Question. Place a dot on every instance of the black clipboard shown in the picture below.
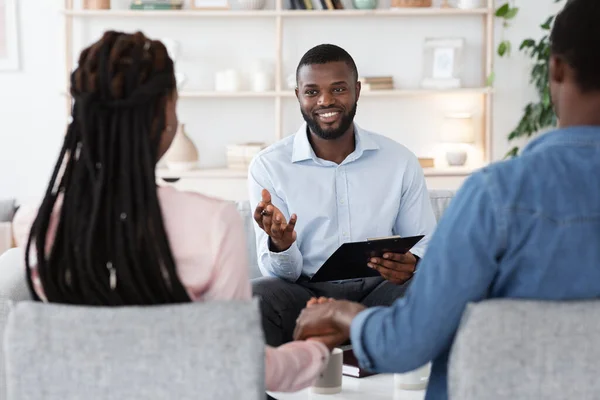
(350, 260)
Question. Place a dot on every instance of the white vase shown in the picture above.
(182, 154)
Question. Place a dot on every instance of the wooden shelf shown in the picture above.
(211, 94)
(199, 173)
(224, 173)
(366, 93)
(400, 12)
(170, 13)
(392, 12)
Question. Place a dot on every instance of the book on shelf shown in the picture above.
(156, 5)
(427, 162)
(377, 82)
(314, 4)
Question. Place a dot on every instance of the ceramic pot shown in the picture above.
(182, 155)
(365, 4)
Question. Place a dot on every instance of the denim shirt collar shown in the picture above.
(584, 135)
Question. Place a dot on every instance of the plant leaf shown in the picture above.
(503, 48)
(546, 25)
(512, 153)
(510, 14)
(527, 43)
(501, 12)
(490, 79)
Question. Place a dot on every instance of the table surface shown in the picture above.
(376, 387)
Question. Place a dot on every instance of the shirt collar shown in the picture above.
(582, 135)
(302, 149)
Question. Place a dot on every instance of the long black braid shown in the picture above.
(110, 218)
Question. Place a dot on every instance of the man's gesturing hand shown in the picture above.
(273, 222)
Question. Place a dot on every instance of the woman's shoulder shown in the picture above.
(189, 204)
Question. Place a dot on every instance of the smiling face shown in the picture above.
(328, 95)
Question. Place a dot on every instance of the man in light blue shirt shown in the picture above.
(330, 183)
(527, 228)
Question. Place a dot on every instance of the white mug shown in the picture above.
(413, 380)
(330, 380)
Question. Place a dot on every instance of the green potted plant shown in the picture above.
(539, 114)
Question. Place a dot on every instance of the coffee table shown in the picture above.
(376, 387)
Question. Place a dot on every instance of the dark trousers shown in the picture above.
(281, 302)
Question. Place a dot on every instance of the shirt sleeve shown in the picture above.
(287, 264)
(295, 365)
(230, 280)
(459, 268)
(415, 216)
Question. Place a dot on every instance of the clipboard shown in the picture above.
(350, 260)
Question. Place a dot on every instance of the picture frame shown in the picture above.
(9, 36)
(443, 63)
(210, 4)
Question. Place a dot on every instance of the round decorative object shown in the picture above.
(365, 4)
(182, 154)
(252, 4)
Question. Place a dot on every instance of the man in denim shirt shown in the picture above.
(526, 228)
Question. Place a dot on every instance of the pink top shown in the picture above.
(216, 270)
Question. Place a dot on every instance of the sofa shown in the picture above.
(7, 211)
(440, 199)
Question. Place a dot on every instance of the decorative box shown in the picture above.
(240, 155)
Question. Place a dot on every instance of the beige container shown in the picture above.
(182, 155)
(96, 4)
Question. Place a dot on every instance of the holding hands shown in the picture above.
(327, 321)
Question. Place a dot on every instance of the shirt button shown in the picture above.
(342, 201)
(345, 234)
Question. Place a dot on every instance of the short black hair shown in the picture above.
(575, 38)
(326, 53)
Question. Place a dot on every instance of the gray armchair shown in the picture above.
(525, 349)
(186, 351)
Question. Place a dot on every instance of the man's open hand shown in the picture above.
(272, 221)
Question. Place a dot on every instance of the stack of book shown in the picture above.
(377, 83)
(156, 4)
(351, 366)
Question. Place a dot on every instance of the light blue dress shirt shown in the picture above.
(378, 190)
(526, 228)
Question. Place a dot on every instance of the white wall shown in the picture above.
(33, 114)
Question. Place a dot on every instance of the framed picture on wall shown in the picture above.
(442, 63)
(210, 4)
(9, 43)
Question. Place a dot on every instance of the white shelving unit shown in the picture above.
(281, 92)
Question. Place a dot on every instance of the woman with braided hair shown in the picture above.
(106, 235)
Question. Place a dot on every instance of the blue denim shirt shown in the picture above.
(526, 228)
